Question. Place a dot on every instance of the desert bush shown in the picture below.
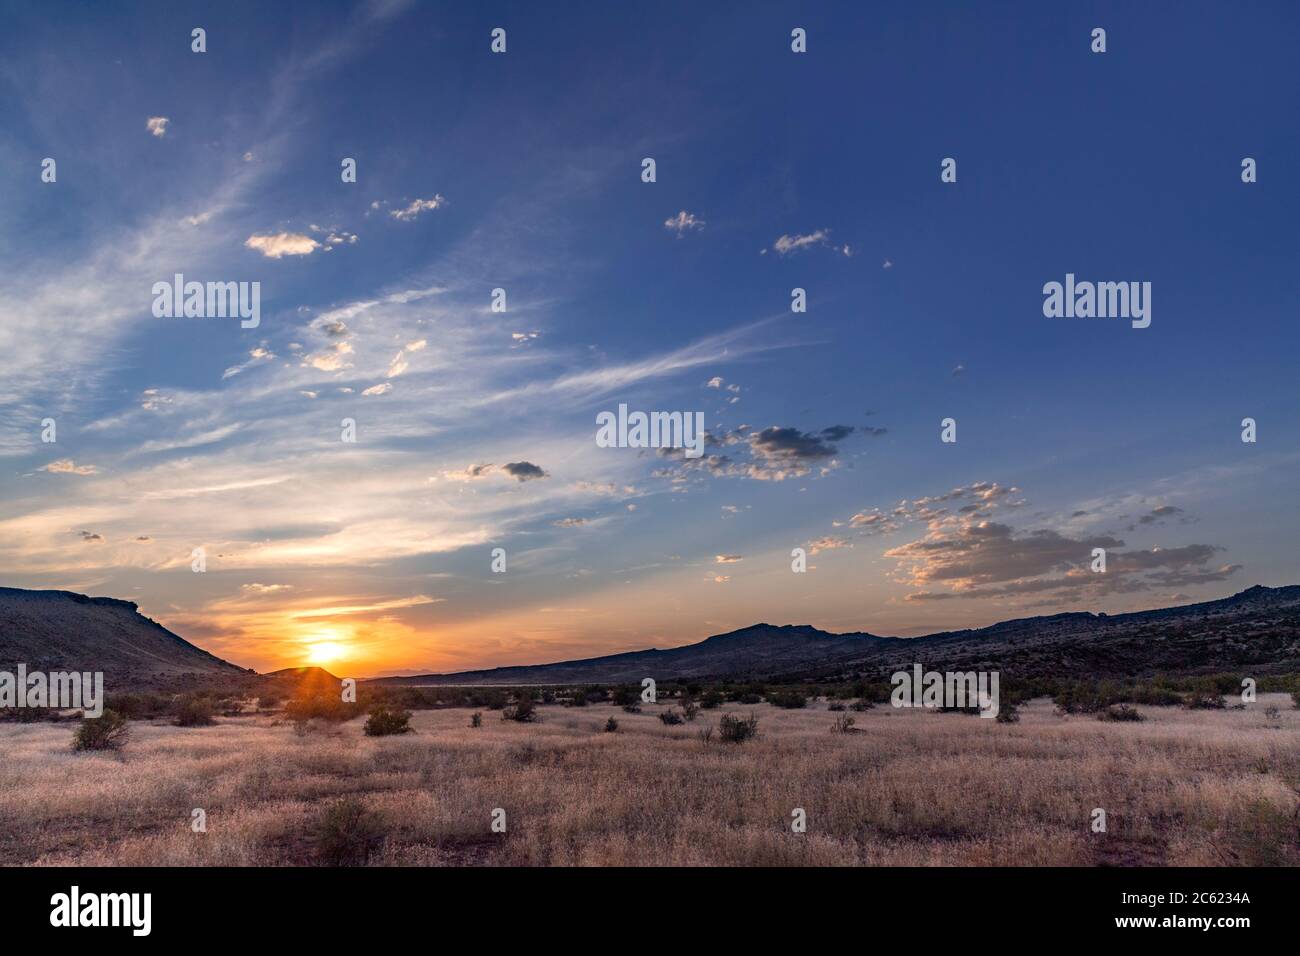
(631, 708)
(1008, 713)
(1272, 713)
(611, 725)
(790, 700)
(835, 706)
(737, 730)
(711, 699)
(476, 719)
(861, 705)
(109, 731)
(139, 706)
(843, 723)
(385, 721)
(626, 696)
(522, 711)
(1199, 700)
(690, 709)
(193, 711)
(706, 735)
(670, 717)
(1121, 713)
(268, 701)
(28, 715)
(346, 833)
(303, 709)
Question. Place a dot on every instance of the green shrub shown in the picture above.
(523, 711)
(346, 833)
(303, 709)
(385, 721)
(476, 719)
(790, 700)
(737, 730)
(193, 712)
(670, 717)
(711, 699)
(1121, 713)
(1008, 713)
(611, 726)
(108, 731)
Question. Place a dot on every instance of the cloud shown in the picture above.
(785, 244)
(828, 543)
(418, 206)
(523, 470)
(683, 223)
(569, 522)
(789, 444)
(279, 244)
(259, 354)
(728, 558)
(157, 125)
(974, 556)
(66, 466)
(382, 388)
(90, 536)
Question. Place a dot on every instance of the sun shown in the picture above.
(324, 652)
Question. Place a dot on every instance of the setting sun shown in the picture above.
(324, 652)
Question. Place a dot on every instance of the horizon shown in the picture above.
(477, 429)
(418, 672)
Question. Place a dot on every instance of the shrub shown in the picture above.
(835, 706)
(385, 720)
(1204, 701)
(109, 731)
(303, 709)
(843, 724)
(737, 730)
(631, 708)
(193, 712)
(1272, 713)
(523, 711)
(690, 709)
(790, 700)
(861, 705)
(670, 717)
(1121, 713)
(476, 719)
(706, 735)
(1008, 714)
(346, 833)
(711, 699)
(611, 725)
(1295, 698)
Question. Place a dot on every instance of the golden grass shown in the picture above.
(909, 788)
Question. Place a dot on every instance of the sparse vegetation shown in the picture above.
(522, 711)
(108, 731)
(790, 700)
(385, 721)
(843, 724)
(736, 730)
(476, 719)
(1121, 713)
(611, 726)
(193, 711)
(346, 833)
(670, 717)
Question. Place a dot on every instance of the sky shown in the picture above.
(475, 429)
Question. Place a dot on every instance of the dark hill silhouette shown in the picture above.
(61, 630)
(1258, 628)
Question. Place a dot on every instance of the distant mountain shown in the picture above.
(60, 631)
(1257, 629)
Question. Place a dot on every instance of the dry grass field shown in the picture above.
(906, 788)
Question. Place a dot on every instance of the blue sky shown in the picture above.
(522, 171)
